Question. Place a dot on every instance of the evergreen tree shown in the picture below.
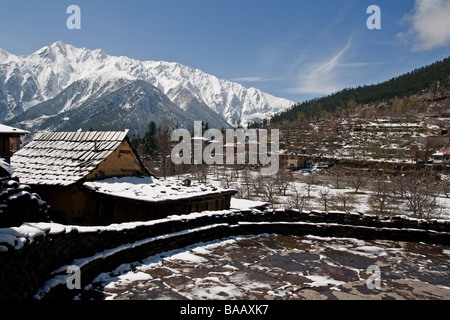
(149, 140)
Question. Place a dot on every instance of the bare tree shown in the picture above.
(236, 171)
(431, 145)
(268, 189)
(215, 172)
(309, 180)
(382, 199)
(283, 179)
(421, 201)
(226, 178)
(399, 186)
(337, 174)
(202, 173)
(325, 197)
(247, 183)
(298, 200)
(357, 181)
(344, 201)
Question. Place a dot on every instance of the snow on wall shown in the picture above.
(98, 249)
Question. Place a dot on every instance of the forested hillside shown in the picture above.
(433, 79)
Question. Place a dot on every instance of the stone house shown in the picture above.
(72, 170)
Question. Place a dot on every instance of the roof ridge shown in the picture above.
(64, 157)
(81, 136)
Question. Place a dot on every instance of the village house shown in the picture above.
(437, 141)
(442, 157)
(10, 141)
(97, 178)
(293, 161)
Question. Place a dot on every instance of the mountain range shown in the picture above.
(61, 87)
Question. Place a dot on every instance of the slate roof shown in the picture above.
(63, 158)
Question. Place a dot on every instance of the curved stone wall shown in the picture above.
(34, 265)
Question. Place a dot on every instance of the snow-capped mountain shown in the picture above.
(46, 89)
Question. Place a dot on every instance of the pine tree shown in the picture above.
(148, 141)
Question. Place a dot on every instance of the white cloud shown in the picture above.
(320, 78)
(430, 24)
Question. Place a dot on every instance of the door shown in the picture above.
(108, 209)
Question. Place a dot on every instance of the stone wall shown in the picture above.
(19, 204)
(38, 269)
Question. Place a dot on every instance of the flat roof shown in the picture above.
(150, 189)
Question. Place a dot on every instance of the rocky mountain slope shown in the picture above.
(60, 87)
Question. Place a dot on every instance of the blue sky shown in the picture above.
(290, 48)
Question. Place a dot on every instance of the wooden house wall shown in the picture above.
(118, 210)
(121, 163)
(5, 148)
(68, 204)
(78, 206)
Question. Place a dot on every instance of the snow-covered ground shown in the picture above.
(358, 203)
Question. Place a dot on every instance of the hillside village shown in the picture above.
(357, 169)
(224, 158)
(362, 161)
(407, 130)
(386, 145)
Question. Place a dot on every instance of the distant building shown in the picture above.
(437, 141)
(435, 109)
(293, 161)
(85, 178)
(10, 141)
(442, 157)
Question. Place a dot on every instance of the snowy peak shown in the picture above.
(39, 77)
(5, 56)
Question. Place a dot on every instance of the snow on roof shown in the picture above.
(150, 189)
(6, 166)
(63, 158)
(442, 152)
(243, 204)
(10, 130)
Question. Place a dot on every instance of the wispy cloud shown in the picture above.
(255, 79)
(321, 77)
(429, 24)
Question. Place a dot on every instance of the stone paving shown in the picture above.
(284, 268)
